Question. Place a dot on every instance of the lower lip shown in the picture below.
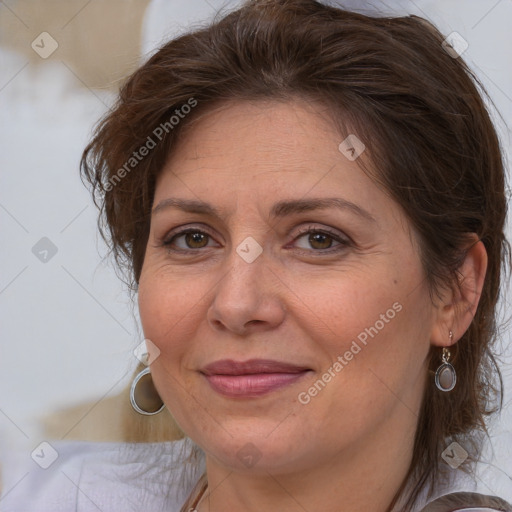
(252, 385)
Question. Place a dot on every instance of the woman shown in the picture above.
(310, 205)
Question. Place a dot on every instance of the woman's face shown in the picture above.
(345, 310)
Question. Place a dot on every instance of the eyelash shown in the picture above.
(343, 243)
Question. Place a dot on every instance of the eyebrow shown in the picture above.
(280, 209)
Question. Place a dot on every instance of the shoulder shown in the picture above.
(484, 488)
(468, 502)
(85, 476)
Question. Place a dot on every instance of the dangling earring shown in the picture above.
(144, 396)
(446, 376)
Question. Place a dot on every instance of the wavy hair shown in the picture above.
(421, 114)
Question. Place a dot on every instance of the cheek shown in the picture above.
(171, 310)
(163, 298)
(163, 311)
(160, 306)
(151, 300)
(341, 309)
(375, 324)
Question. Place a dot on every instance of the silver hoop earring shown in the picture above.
(143, 395)
(446, 377)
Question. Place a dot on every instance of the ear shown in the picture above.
(457, 308)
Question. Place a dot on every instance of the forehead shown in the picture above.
(251, 136)
(265, 128)
(261, 151)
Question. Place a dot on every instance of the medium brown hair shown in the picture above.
(419, 111)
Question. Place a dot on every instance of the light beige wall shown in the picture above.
(98, 39)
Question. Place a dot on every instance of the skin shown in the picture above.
(349, 448)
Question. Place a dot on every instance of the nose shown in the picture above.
(247, 297)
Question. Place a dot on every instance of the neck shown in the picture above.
(363, 477)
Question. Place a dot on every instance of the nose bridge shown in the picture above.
(251, 234)
(245, 268)
(244, 295)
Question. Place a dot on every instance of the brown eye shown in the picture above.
(318, 241)
(193, 239)
(322, 241)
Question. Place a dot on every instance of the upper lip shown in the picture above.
(252, 366)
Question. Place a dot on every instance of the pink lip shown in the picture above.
(251, 378)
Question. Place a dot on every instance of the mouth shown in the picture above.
(251, 378)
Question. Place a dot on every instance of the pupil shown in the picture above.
(196, 237)
(314, 238)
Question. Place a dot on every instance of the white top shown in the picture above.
(99, 477)
(124, 477)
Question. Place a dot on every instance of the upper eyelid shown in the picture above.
(207, 229)
(183, 230)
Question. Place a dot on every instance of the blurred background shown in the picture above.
(68, 327)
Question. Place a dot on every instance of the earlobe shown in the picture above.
(458, 306)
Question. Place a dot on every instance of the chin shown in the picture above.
(253, 446)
